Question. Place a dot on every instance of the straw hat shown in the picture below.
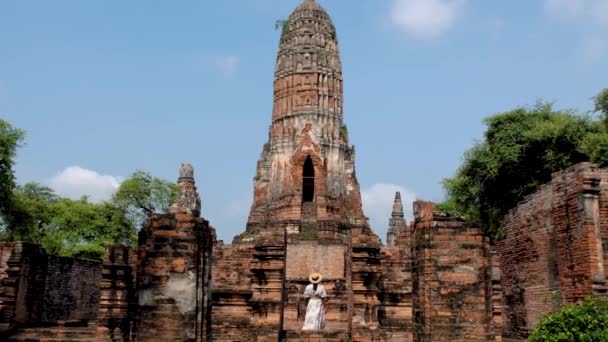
(315, 277)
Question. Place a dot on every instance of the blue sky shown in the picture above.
(107, 87)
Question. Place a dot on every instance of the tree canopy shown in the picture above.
(601, 102)
(64, 226)
(10, 139)
(142, 195)
(520, 150)
(35, 213)
(80, 228)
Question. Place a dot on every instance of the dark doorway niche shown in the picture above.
(308, 181)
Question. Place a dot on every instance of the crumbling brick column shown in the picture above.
(452, 296)
(15, 262)
(8, 286)
(578, 239)
(173, 274)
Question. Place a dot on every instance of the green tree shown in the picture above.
(34, 213)
(281, 24)
(520, 151)
(83, 229)
(141, 195)
(344, 132)
(66, 227)
(585, 322)
(601, 102)
(10, 140)
(30, 212)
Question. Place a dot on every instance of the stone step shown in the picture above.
(336, 326)
(72, 334)
(316, 336)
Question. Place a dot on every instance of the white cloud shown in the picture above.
(591, 17)
(228, 65)
(378, 205)
(75, 182)
(426, 18)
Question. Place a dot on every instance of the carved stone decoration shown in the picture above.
(188, 199)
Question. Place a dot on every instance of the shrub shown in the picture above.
(585, 321)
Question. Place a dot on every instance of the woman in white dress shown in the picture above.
(315, 310)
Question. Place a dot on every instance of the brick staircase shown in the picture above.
(58, 333)
(317, 336)
(336, 318)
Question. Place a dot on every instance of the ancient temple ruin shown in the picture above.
(438, 278)
(307, 216)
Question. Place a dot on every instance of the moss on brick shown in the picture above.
(309, 231)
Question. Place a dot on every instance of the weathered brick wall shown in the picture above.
(578, 240)
(6, 250)
(366, 275)
(497, 299)
(395, 289)
(117, 293)
(552, 250)
(247, 286)
(529, 263)
(381, 287)
(452, 279)
(172, 278)
(231, 291)
(14, 276)
(44, 298)
(307, 257)
(603, 215)
(395, 294)
(40, 289)
(71, 290)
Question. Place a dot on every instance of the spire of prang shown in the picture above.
(187, 199)
(396, 223)
(397, 206)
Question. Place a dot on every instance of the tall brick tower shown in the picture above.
(306, 214)
(307, 170)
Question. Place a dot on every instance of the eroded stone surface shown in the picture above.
(174, 271)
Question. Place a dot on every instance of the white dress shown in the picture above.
(315, 312)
